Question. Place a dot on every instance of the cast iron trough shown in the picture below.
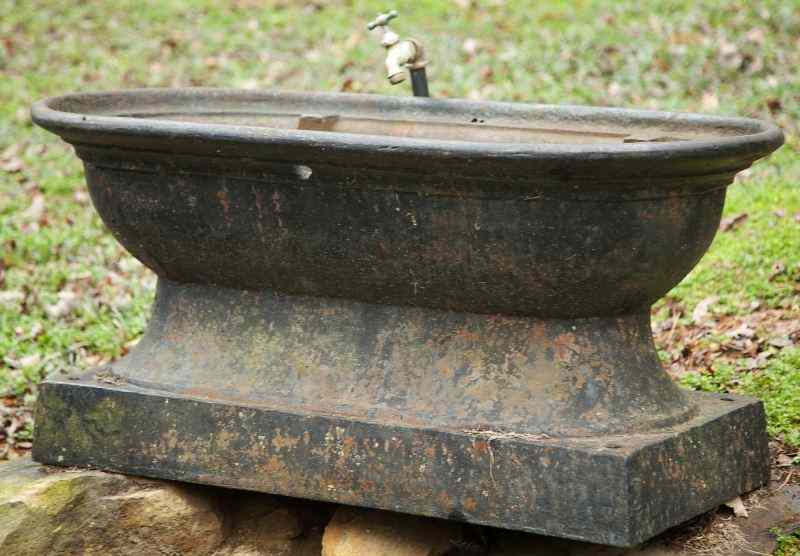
(438, 307)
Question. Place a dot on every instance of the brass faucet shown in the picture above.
(401, 54)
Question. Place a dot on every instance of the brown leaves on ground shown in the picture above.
(749, 339)
(10, 160)
(16, 422)
(55, 296)
(708, 338)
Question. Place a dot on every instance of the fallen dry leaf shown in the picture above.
(81, 197)
(23, 362)
(347, 85)
(774, 105)
(742, 331)
(11, 297)
(10, 152)
(781, 342)
(12, 165)
(67, 301)
(732, 222)
(756, 35)
(778, 268)
(36, 330)
(701, 311)
(710, 101)
(470, 46)
(738, 507)
(35, 211)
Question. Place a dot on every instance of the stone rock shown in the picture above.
(513, 543)
(56, 511)
(44, 510)
(264, 525)
(307, 545)
(357, 532)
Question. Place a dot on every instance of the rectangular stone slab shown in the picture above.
(616, 490)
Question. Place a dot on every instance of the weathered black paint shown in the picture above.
(413, 365)
(439, 307)
(618, 490)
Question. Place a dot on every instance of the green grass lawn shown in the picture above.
(70, 297)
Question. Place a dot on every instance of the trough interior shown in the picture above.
(470, 129)
(433, 119)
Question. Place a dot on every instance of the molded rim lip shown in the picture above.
(726, 154)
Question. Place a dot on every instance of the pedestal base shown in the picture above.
(613, 489)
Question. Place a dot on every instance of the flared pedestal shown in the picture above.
(560, 427)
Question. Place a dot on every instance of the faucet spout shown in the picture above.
(401, 55)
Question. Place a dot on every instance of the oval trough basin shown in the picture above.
(439, 307)
(440, 262)
(469, 206)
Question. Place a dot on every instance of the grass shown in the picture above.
(70, 297)
(788, 543)
(741, 267)
(778, 386)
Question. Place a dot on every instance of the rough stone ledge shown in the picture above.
(58, 511)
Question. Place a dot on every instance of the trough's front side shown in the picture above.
(435, 307)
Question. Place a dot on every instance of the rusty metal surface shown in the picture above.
(374, 306)
(406, 365)
(618, 490)
(311, 230)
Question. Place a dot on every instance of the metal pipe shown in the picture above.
(419, 83)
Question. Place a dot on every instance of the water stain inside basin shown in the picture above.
(470, 130)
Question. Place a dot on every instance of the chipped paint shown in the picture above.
(613, 489)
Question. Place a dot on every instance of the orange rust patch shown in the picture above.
(222, 195)
(468, 335)
(470, 504)
(365, 485)
(564, 346)
(274, 466)
(279, 441)
(537, 333)
(445, 501)
(445, 367)
(479, 447)
(348, 443)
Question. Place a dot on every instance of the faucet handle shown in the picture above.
(382, 20)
